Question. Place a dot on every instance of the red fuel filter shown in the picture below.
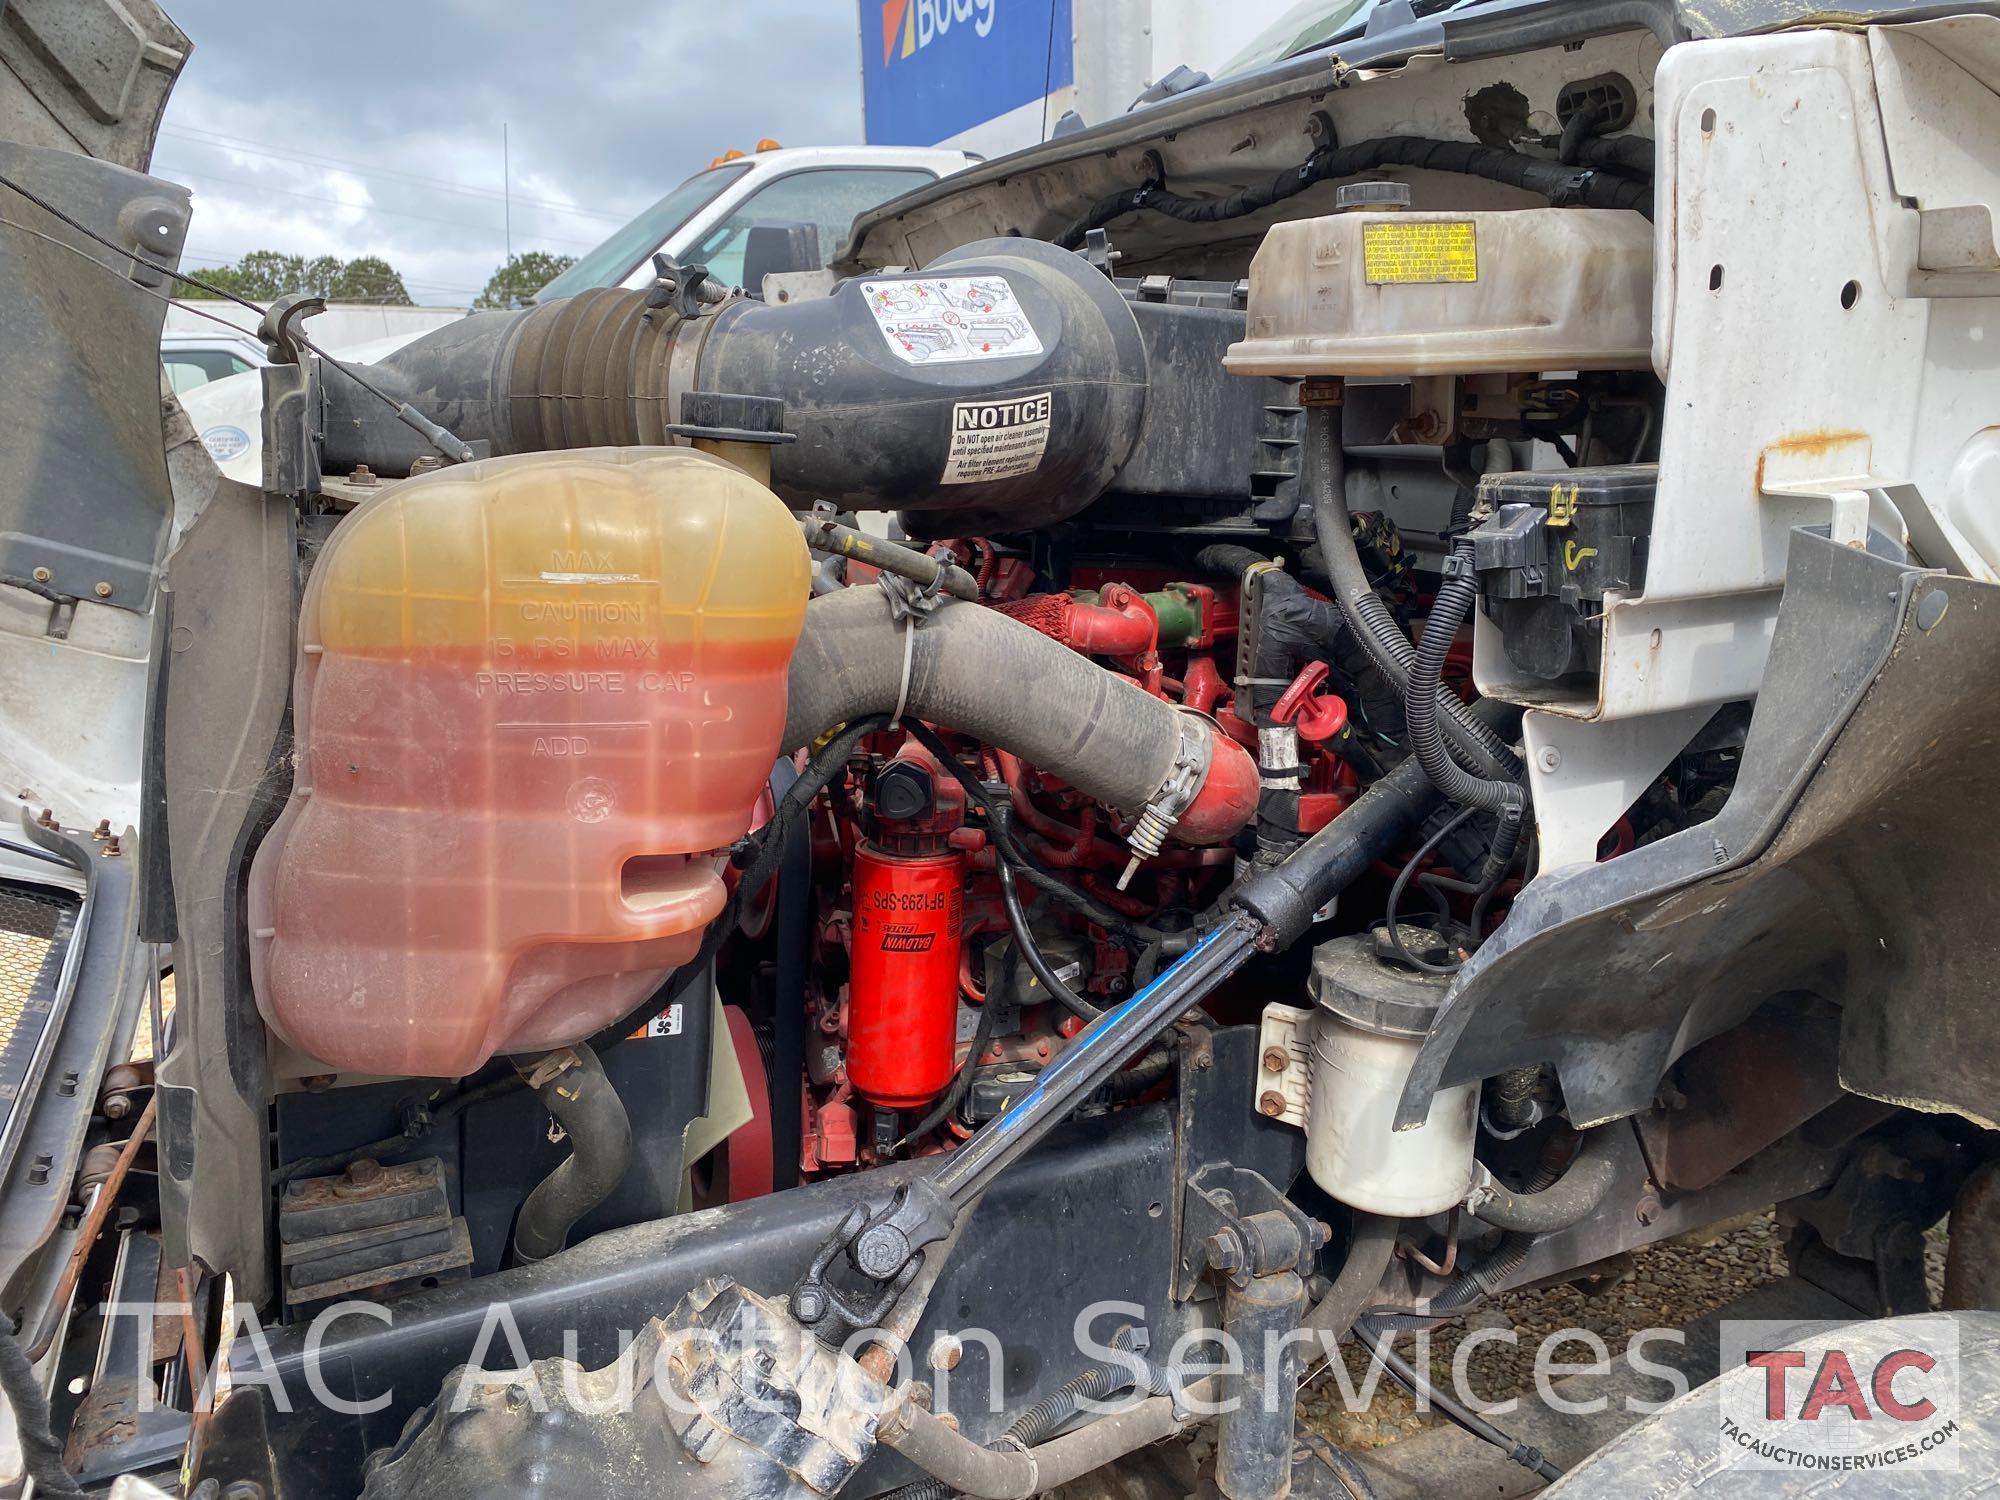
(902, 1015)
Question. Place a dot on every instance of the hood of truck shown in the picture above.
(85, 516)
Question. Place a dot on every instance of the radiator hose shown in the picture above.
(588, 1108)
(977, 671)
(1570, 1200)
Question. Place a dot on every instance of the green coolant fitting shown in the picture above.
(1179, 610)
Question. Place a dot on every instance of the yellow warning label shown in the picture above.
(1402, 254)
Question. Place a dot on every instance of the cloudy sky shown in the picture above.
(372, 128)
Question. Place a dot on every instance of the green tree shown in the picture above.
(264, 274)
(368, 278)
(523, 276)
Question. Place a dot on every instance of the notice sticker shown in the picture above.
(1401, 254)
(942, 320)
(997, 439)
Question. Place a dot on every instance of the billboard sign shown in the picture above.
(932, 69)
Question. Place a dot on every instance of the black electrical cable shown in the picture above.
(438, 437)
(1402, 883)
(1008, 847)
(1479, 745)
(1349, 1474)
(446, 1111)
(764, 849)
(961, 1082)
(1496, 876)
(1563, 184)
(1580, 144)
(1524, 1454)
(41, 1454)
(1454, 599)
(1024, 939)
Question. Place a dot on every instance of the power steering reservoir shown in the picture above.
(534, 696)
(1338, 1071)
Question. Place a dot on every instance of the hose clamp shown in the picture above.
(1480, 1188)
(549, 1066)
(1176, 794)
(912, 603)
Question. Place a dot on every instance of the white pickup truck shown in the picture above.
(705, 221)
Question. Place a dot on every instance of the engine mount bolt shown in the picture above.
(1275, 1059)
(1549, 758)
(1272, 1104)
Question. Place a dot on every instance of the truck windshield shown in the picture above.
(1310, 24)
(612, 261)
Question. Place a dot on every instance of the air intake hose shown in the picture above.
(976, 670)
(1003, 387)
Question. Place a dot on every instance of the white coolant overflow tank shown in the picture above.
(1370, 1019)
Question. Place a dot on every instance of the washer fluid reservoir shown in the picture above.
(534, 696)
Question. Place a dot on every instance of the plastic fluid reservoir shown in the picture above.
(1490, 292)
(534, 694)
(1370, 1023)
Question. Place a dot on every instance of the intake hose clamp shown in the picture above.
(1176, 794)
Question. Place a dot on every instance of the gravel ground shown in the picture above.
(1662, 1286)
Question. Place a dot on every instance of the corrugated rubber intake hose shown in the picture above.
(978, 671)
(584, 1102)
(1473, 740)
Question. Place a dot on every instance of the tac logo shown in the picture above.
(909, 26)
(1849, 1399)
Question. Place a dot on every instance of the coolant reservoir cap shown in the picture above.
(1375, 197)
(1351, 979)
